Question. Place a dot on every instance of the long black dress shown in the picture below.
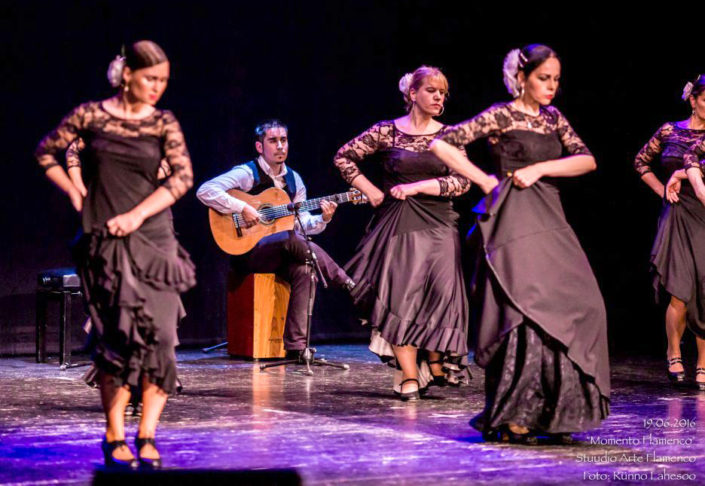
(678, 255)
(542, 329)
(131, 284)
(407, 266)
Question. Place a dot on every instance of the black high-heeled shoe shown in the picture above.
(701, 384)
(506, 435)
(409, 396)
(110, 460)
(561, 439)
(146, 462)
(675, 376)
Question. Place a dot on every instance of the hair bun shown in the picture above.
(115, 71)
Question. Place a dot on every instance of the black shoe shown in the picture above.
(491, 435)
(296, 354)
(110, 461)
(561, 439)
(144, 462)
(409, 396)
(675, 376)
(701, 384)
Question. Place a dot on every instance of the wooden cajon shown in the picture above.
(257, 305)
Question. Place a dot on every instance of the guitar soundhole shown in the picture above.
(262, 217)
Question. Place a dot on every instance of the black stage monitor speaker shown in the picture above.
(200, 477)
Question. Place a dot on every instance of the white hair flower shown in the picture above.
(687, 90)
(405, 83)
(510, 70)
(115, 71)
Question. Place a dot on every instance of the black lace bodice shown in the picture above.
(90, 122)
(120, 160)
(671, 142)
(407, 158)
(517, 139)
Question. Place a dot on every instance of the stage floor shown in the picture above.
(345, 427)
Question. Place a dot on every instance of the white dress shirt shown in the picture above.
(212, 193)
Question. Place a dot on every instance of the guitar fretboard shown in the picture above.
(281, 211)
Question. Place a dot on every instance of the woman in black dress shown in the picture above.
(542, 332)
(678, 266)
(132, 268)
(409, 279)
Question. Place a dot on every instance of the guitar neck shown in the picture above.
(313, 204)
(281, 211)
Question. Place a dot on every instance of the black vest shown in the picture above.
(263, 181)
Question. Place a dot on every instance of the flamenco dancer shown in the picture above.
(132, 267)
(407, 267)
(542, 330)
(678, 264)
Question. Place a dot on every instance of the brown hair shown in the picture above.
(144, 53)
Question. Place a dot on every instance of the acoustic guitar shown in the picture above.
(276, 212)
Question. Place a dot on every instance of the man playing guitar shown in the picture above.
(282, 253)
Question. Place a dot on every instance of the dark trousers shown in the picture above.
(284, 254)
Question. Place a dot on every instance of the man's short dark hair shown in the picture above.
(261, 129)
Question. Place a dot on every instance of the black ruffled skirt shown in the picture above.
(542, 334)
(531, 382)
(131, 287)
(678, 255)
(410, 283)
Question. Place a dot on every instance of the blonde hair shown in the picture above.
(414, 81)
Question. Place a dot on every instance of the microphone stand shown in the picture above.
(307, 355)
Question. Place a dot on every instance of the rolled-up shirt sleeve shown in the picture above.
(213, 192)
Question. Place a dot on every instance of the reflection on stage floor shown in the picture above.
(344, 427)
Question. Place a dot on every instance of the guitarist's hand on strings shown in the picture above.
(327, 210)
(250, 215)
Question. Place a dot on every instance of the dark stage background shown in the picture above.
(330, 70)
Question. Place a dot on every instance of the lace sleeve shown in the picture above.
(177, 156)
(695, 156)
(59, 138)
(573, 144)
(480, 126)
(649, 152)
(72, 153)
(454, 184)
(368, 142)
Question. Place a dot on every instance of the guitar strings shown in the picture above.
(276, 212)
